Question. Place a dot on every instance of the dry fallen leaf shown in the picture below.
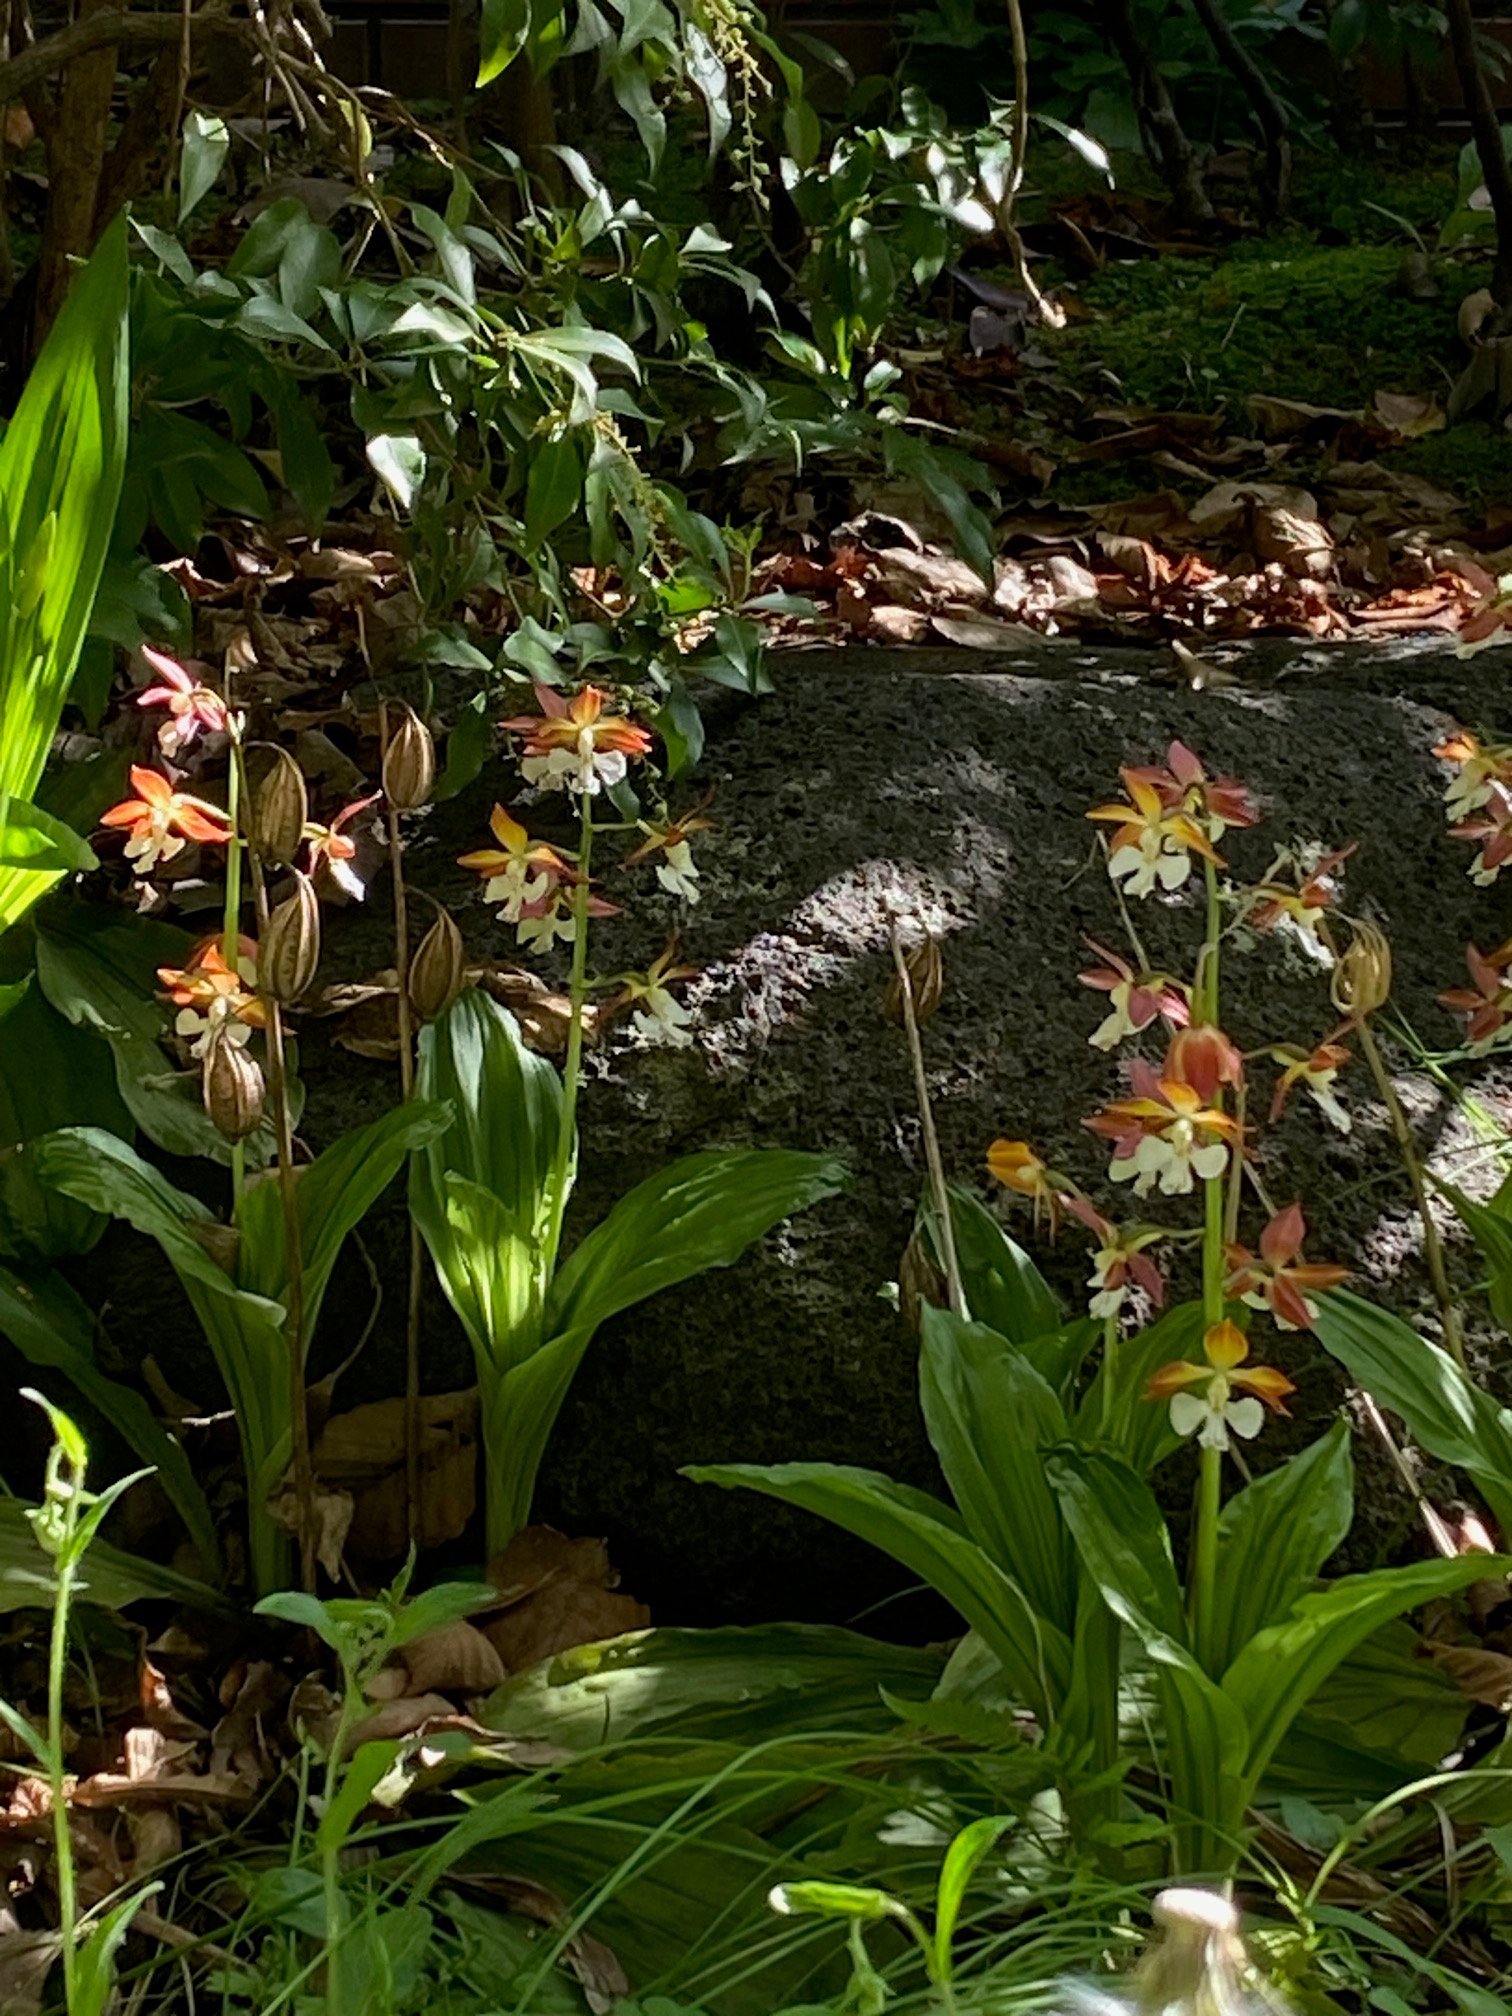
(361, 1454)
(457, 1659)
(1410, 415)
(983, 633)
(555, 1593)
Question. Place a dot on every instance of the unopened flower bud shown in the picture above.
(290, 949)
(1362, 978)
(409, 764)
(232, 1088)
(926, 983)
(438, 971)
(278, 811)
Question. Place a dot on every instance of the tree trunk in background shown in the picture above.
(75, 128)
(1172, 155)
(1270, 114)
(522, 106)
(1486, 129)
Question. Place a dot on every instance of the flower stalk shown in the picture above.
(572, 1065)
(904, 984)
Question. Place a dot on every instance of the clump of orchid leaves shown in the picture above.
(1057, 1551)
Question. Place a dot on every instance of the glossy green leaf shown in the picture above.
(963, 1858)
(697, 1213)
(990, 1418)
(1004, 1288)
(553, 488)
(1451, 1416)
(930, 1540)
(51, 1075)
(206, 143)
(1274, 1537)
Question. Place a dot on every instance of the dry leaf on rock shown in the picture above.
(361, 1453)
(983, 633)
(556, 1593)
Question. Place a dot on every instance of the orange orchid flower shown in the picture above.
(161, 820)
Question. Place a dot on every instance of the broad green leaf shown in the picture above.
(62, 460)
(521, 1398)
(467, 748)
(206, 143)
(334, 1193)
(503, 33)
(369, 1763)
(990, 1418)
(1276, 1674)
(553, 488)
(698, 1213)
(32, 840)
(931, 1541)
(1004, 1288)
(506, 1102)
(738, 1683)
(1274, 1537)
(1492, 1233)
(1449, 1414)
(50, 1325)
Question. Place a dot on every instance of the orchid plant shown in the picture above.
(491, 1196)
(1057, 1552)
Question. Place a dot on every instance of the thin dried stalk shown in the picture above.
(933, 1161)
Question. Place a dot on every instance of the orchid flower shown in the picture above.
(194, 709)
(1169, 1132)
(1487, 1005)
(1491, 829)
(551, 918)
(1479, 767)
(1120, 1261)
(1215, 1415)
(1279, 1279)
(677, 872)
(1135, 999)
(519, 871)
(1018, 1168)
(1315, 1071)
(1299, 908)
(162, 821)
(1184, 785)
(574, 745)
(657, 1015)
(1153, 845)
(215, 1001)
(337, 850)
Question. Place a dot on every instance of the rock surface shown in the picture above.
(950, 787)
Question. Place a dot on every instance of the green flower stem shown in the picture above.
(57, 1776)
(1205, 1005)
(1109, 1348)
(1203, 1591)
(1203, 1581)
(572, 1069)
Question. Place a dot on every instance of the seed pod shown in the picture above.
(409, 764)
(1362, 979)
(926, 981)
(278, 811)
(290, 949)
(438, 970)
(232, 1088)
(920, 1281)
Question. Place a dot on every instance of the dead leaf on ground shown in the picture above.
(983, 633)
(1410, 415)
(361, 1454)
(457, 1659)
(597, 1969)
(1480, 1674)
(556, 1593)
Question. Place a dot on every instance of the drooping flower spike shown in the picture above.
(336, 849)
(1135, 1000)
(1486, 1005)
(1153, 844)
(161, 821)
(1018, 1168)
(573, 745)
(194, 708)
(216, 1003)
(1120, 1261)
(1215, 1414)
(1279, 1279)
(519, 871)
(1315, 1071)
